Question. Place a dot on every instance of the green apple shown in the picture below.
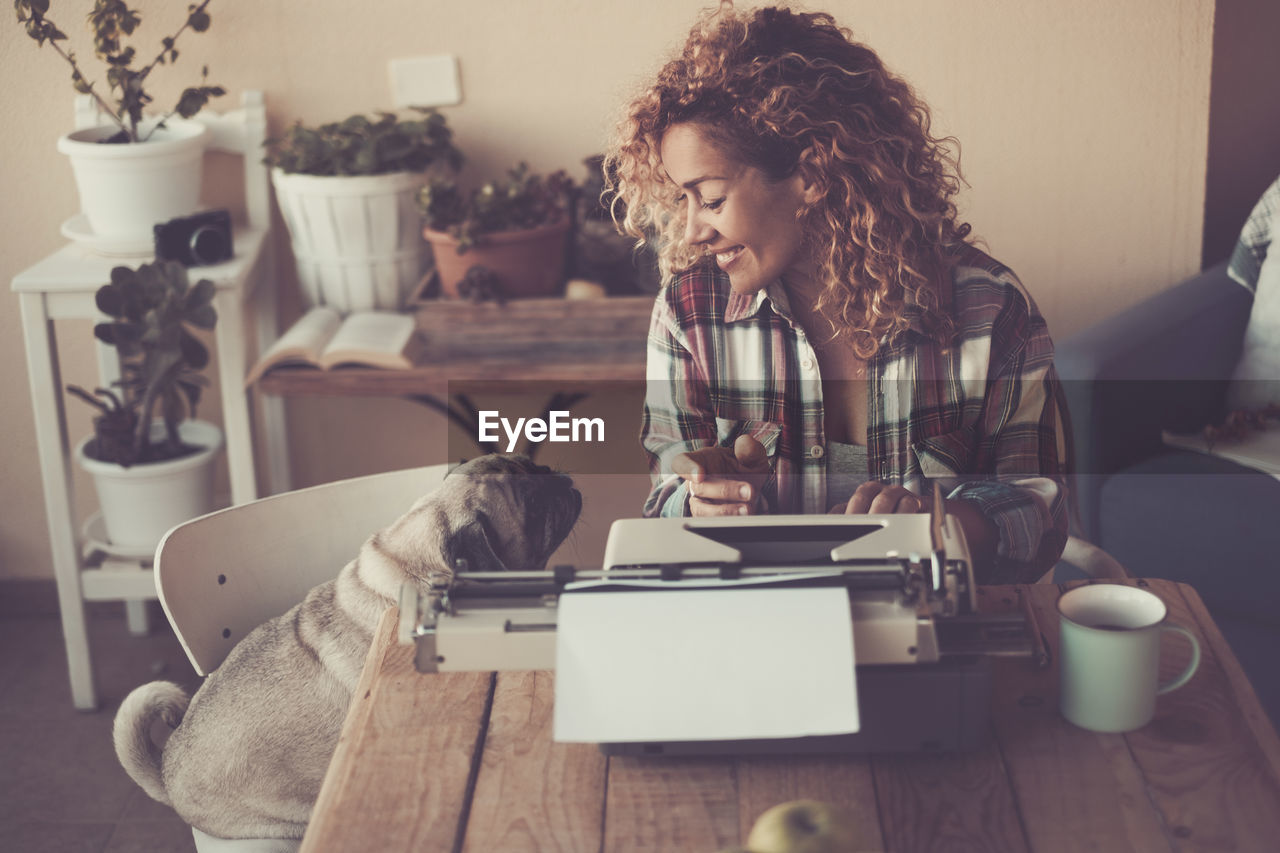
(803, 826)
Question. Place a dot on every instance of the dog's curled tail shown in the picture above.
(137, 752)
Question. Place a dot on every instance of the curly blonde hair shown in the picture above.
(784, 91)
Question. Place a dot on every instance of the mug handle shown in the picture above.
(1186, 674)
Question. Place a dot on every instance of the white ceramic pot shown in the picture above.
(142, 502)
(357, 239)
(127, 188)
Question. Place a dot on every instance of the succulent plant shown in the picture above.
(153, 310)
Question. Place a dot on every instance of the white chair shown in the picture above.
(223, 574)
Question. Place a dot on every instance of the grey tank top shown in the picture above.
(846, 470)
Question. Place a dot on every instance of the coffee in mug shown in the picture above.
(1109, 657)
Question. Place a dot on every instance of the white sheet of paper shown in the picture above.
(719, 664)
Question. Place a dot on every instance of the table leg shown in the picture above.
(136, 617)
(55, 474)
(275, 430)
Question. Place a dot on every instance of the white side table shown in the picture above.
(62, 286)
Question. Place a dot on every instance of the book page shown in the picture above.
(301, 344)
(377, 338)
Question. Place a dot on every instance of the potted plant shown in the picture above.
(151, 464)
(513, 231)
(133, 172)
(346, 190)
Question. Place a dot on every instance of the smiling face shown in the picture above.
(746, 221)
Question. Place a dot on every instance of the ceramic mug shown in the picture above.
(1109, 657)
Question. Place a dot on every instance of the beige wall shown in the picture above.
(1083, 125)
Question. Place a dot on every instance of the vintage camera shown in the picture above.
(195, 241)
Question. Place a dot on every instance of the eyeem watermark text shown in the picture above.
(558, 426)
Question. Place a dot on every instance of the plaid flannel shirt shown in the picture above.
(981, 416)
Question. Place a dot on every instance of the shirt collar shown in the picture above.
(744, 306)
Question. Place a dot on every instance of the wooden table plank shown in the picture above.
(533, 794)
(446, 713)
(952, 802)
(845, 781)
(677, 804)
(353, 728)
(1203, 766)
(1074, 790)
(1250, 708)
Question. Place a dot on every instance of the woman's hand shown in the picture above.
(876, 498)
(723, 481)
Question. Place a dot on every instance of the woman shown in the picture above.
(829, 339)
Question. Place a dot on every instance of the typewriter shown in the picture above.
(923, 662)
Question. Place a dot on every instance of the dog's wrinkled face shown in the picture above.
(516, 513)
(495, 513)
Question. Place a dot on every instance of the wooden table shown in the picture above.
(465, 761)
(522, 341)
(560, 349)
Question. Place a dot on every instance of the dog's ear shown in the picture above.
(470, 542)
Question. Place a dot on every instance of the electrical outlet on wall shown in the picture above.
(425, 81)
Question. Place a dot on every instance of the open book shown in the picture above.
(323, 338)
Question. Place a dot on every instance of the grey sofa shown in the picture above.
(1176, 514)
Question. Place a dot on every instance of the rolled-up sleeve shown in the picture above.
(677, 413)
(1023, 430)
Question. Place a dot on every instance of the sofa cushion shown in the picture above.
(1202, 520)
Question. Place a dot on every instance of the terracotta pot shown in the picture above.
(528, 263)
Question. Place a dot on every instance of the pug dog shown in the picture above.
(249, 750)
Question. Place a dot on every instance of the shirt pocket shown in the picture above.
(949, 454)
(765, 432)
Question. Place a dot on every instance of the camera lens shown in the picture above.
(209, 245)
